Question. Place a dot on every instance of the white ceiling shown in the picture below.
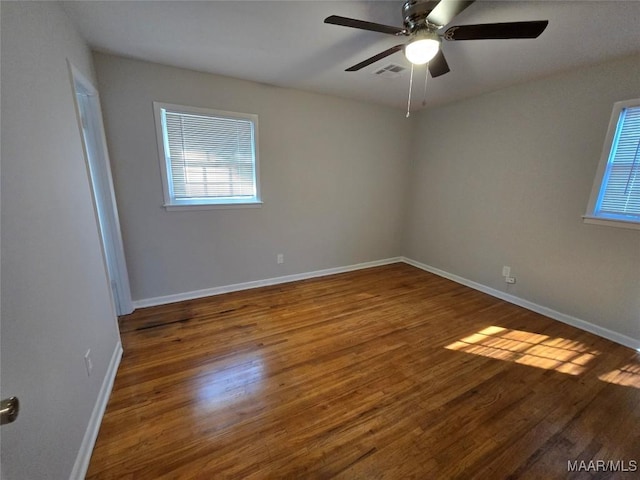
(286, 43)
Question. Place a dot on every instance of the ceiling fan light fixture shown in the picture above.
(422, 50)
(423, 47)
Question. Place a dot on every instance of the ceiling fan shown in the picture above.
(423, 22)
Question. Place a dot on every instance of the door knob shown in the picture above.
(9, 409)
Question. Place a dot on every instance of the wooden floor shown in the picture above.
(389, 372)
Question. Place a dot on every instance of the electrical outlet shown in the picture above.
(280, 258)
(506, 271)
(510, 279)
(88, 363)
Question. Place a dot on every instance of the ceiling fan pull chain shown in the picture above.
(426, 79)
(410, 86)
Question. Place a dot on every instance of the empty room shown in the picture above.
(320, 239)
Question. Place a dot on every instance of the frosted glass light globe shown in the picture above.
(421, 51)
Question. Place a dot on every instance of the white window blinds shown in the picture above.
(209, 156)
(620, 190)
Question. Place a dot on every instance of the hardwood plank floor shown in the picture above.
(389, 372)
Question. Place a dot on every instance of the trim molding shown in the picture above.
(91, 433)
(547, 312)
(207, 292)
(611, 222)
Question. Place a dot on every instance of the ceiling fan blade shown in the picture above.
(375, 58)
(447, 10)
(498, 31)
(362, 25)
(438, 65)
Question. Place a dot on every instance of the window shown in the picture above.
(615, 198)
(208, 158)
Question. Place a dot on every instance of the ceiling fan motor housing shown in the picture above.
(414, 14)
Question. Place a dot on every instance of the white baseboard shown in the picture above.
(548, 312)
(178, 297)
(91, 434)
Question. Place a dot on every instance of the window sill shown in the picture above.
(610, 222)
(210, 206)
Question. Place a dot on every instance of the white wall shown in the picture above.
(503, 179)
(55, 296)
(333, 176)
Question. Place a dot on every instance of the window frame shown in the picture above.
(170, 202)
(591, 216)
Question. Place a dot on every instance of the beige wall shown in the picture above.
(56, 302)
(503, 179)
(500, 179)
(333, 174)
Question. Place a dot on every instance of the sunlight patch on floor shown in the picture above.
(527, 348)
(627, 376)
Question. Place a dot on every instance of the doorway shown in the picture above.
(97, 158)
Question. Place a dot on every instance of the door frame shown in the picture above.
(103, 194)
